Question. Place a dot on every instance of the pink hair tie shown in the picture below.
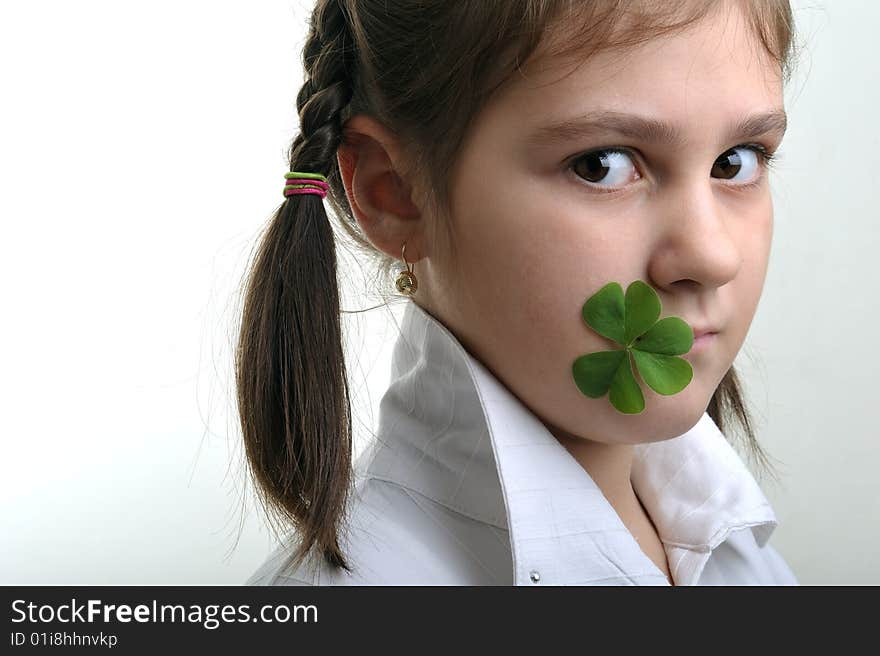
(298, 182)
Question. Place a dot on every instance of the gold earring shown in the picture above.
(406, 280)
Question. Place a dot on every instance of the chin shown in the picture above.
(665, 417)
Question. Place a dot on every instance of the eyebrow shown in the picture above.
(648, 129)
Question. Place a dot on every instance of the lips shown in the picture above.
(702, 341)
(699, 332)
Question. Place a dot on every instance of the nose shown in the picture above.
(696, 236)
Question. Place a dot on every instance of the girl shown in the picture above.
(518, 157)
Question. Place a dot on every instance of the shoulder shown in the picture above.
(396, 536)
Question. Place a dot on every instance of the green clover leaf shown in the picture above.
(650, 345)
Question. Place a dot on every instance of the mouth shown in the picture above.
(699, 332)
(702, 340)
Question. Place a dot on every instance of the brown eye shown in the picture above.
(609, 166)
(741, 161)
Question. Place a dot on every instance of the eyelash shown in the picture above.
(766, 158)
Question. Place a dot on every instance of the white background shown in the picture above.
(143, 147)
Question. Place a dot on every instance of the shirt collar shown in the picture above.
(451, 431)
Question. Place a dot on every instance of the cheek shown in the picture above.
(534, 261)
(756, 234)
(541, 272)
(754, 239)
(540, 331)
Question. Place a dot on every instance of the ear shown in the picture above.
(370, 161)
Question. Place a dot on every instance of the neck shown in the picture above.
(610, 467)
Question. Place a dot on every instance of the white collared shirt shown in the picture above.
(465, 486)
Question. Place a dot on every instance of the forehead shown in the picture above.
(716, 68)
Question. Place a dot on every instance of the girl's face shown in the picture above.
(682, 202)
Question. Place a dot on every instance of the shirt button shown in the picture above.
(535, 576)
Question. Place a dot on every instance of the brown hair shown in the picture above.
(423, 69)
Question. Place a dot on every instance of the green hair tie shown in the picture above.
(299, 174)
(650, 345)
(305, 182)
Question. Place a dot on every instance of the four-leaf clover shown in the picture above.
(652, 345)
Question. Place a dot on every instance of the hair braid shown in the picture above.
(326, 92)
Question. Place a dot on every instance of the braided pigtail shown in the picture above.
(293, 395)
